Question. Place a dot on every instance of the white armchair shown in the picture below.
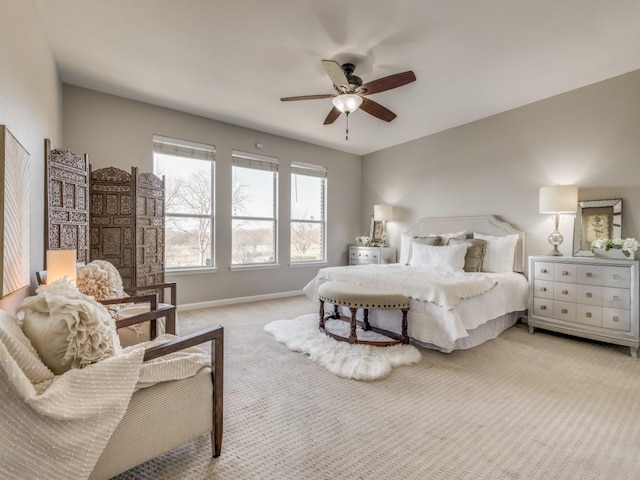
(76, 425)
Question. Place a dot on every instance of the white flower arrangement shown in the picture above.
(628, 246)
(363, 240)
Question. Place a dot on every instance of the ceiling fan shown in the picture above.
(351, 93)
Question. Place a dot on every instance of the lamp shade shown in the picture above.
(347, 102)
(383, 212)
(559, 199)
(60, 264)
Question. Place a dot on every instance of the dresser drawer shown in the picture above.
(565, 292)
(589, 294)
(589, 315)
(616, 319)
(363, 255)
(564, 311)
(543, 271)
(543, 289)
(543, 307)
(589, 274)
(564, 272)
(616, 277)
(615, 298)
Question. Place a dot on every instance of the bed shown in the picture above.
(450, 309)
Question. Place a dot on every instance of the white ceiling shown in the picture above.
(232, 60)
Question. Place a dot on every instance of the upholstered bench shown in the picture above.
(342, 294)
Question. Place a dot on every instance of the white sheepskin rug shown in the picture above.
(359, 362)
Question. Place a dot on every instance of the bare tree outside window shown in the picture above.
(188, 169)
(308, 213)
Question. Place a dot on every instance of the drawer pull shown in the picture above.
(543, 307)
(588, 315)
(565, 292)
(589, 294)
(543, 289)
(589, 274)
(616, 276)
(616, 319)
(564, 310)
(616, 297)
(565, 273)
(544, 270)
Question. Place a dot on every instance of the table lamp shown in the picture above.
(558, 200)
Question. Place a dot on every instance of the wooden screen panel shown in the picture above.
(149, 229)
(113, 220)
(67, 201)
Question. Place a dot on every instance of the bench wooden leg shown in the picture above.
(367, 327)
(321, 320)
(352, 337)
(405, 327)
(336, 311)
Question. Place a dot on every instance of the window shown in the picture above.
(308, 213)
(254, 207)
(188, 169)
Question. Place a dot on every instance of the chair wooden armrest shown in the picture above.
(160, 289)
(215, 335)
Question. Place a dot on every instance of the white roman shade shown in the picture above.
(183, 148)
(253, 160)
(299, 168)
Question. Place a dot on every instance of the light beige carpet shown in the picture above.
(518, 407)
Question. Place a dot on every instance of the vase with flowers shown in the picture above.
(615, 248)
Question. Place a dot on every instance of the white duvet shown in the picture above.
(446, 328)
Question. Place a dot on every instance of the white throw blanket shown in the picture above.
(56, 427)
(443, 290)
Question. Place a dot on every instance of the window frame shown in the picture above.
(255, 161)
(198, 151)
(315, 171)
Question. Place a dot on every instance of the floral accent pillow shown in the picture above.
(68, 329)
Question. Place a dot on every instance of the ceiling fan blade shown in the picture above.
(387, 83)
(308, 97)
(377, 110)
(333, 114)
(336, 74)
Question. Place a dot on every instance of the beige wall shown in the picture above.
(117, 132)
(30, 106)
(589, 137)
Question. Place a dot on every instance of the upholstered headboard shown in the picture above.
(487, 224)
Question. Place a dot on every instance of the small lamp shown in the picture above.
(383, 213)
(558, 200)
(61, 264)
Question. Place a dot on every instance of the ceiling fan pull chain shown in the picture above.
(347, 133)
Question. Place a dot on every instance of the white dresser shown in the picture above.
(361, 255)
(587, 297)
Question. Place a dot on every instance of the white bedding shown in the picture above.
(441, 326)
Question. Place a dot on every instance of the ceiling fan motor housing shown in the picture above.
(354, 80)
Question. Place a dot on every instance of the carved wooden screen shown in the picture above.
(67, 201)
(149, 229)
(127, 224)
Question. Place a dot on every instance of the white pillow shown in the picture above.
(440, 259)
(406, 242)
(68, 329)
(500, 252)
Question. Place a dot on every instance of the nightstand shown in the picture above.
(361, 255)
(586, 297)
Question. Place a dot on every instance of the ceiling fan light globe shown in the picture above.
(347, 102)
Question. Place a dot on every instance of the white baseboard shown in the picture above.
(233, 301)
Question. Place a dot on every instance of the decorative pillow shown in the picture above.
(68, 329)
(406, 243)
(475, 252)
(500, 252)
(447, 236)
(101, 280)
(440, 259)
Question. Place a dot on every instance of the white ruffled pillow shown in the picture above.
(439, 259)
(68, 329)
(500, 253)
(101, 280)
(406, 243)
